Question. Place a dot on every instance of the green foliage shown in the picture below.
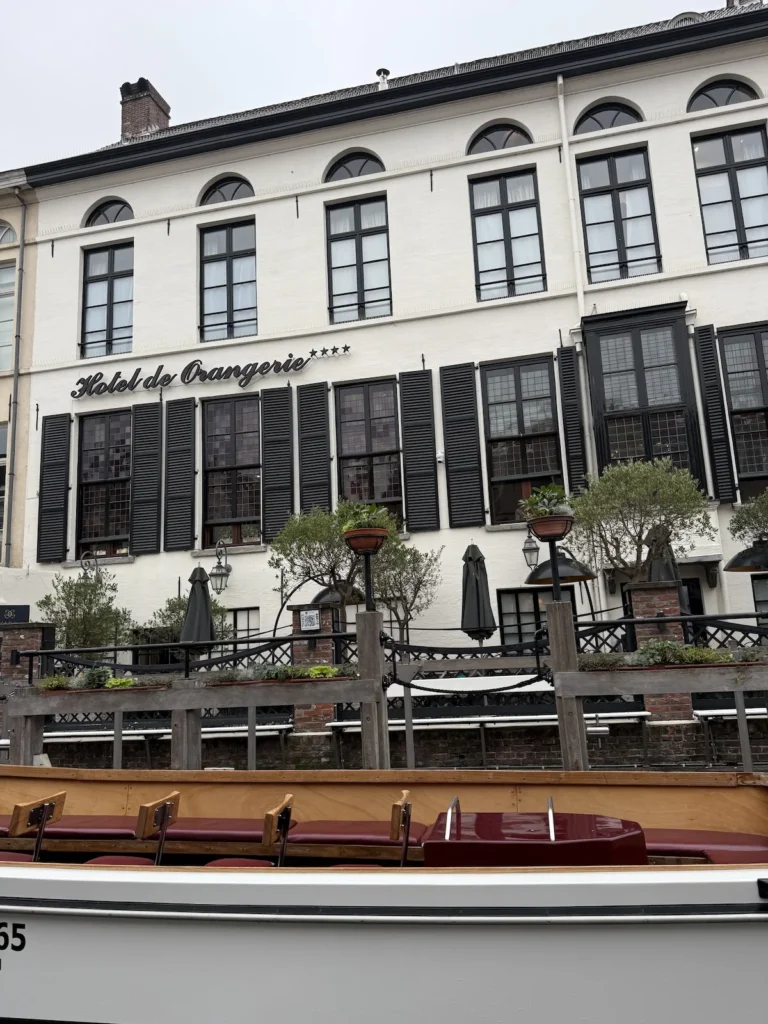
(548, 500)
(165, 625)
(323, 672)
(749, 523)
(406, 581)
(750, 654)
(83, 610)
(602, 661)
(96, 678)
(281, 672)
(633, 512)
(705, 656)
(367, 517)
(55, 683)
(226, 675)
(121, 683)
(657, 652)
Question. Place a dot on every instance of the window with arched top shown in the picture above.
(226, 190)
(7, 234)
(111, 212)
(354, 165)
(607, 115)
(721, 94)
(498, 136)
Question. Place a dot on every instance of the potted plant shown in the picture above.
(547, 512)
(367, 528)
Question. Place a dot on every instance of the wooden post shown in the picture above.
(251, 739)
(410, 748)
(186, 741)
(741, 719)
(117, 740)
(26, 735)
(570, 710)
(371, 664)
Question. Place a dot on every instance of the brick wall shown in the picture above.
(143, 109)
(312, 651)
(19, 637)
(648, 601)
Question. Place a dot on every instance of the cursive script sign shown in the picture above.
(194, 372)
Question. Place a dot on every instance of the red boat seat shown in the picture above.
(5, 821)
(239, 862)
(217, 830)
(92, 826)
(351, 833)
(114, 858)
(10, 857)
(717, 847)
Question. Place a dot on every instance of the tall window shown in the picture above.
(358, 261)
(619, 218)
(232, 471)
(732, 172)
(521, 433)
(745, 357)
(760, 595)
(104, 493)
(643, 395)
(507, 233)
(521, 612)
(244, 622)
(368, 444)
(3, 457)
(108, 301)
(7, 289)
(228, 281)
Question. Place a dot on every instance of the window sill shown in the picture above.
(240, 549)
(503, 527)
(110, 560)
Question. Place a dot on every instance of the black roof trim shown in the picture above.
(427, 91)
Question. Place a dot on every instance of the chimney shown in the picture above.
(143, 109)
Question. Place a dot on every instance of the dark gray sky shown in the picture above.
(63, 60)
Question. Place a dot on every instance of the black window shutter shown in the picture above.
(419, 456)
(146, 477)
(314, 448)
(276, 459)
(715, 414)
(462, 445)
(54, 488)
(570, 398)
(180, 475)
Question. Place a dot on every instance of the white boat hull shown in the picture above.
(119, 946)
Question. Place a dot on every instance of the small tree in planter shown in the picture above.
(749, 523)
(637, 512)
(84, 612)
(406, 581)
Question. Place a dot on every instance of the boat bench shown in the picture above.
(716, 847)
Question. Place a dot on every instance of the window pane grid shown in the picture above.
(358, 261)
(619, 222)
(233, 471)
(744, 366)
(7, 289)
(104, 492)
(509, 257)
(107, 327)
(369, 447)
(228, 307)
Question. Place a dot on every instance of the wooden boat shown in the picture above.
(589, 896)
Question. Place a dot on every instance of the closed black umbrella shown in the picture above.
(477, 618)
(198, 621)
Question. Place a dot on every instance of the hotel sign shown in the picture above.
(102, 384)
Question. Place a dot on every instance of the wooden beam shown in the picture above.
(372, 665)
(251, 759)
(741, 718)
(686, 679)
(570, 710)
(408, 672)
(117, 741)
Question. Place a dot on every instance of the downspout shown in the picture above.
(15, 391)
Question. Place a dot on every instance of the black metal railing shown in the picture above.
(716, 631)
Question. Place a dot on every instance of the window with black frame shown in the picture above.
(3, 457)
(509, 257)
(232, 443)
(745, 358)
(732, 173)
(619, 216)
(358, 261)
(760, 595)
(523, 447)
(521, 612)
(228, 281)
(107, 301)
(104, 485)
(643, 394)
(369, 444)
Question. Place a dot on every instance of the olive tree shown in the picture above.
(749, 523)
(84, 611)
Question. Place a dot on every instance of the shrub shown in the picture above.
(121, 683)
(96, 677)
(704, 656)
(323, 672)
(750, 654)
(278, 672)
(657, 652)
(225, 675)
(603, 661)
(55, 683)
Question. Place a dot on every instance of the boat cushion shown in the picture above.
(351, 833)
(239, 862)
(114, 858)
(10, 856)
(717, 847)
(5, 821)
(211, 830)
(92, 826)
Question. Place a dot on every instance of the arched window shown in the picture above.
(498, 136)
(609, 115)
(721, 94)
(7, 234)
(354, 165)
(110, 212)
(226, 190)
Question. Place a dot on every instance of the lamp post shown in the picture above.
(219, 574)
(552, 529)
(89, 561)
(531, 551)
(366, 541)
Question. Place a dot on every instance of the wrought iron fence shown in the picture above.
(716, 631)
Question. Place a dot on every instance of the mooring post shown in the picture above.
(570, 710)
(371, 664)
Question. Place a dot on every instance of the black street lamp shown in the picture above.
(753, 559)
(531, 551)
(219, 574)
(552, 529)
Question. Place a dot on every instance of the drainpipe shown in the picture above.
(15, 392)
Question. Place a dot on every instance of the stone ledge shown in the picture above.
(503, 527)
(111, 560)
(240, 549)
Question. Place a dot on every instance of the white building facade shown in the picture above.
(434, 293)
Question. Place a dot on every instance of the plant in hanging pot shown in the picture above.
(547, 512)
(367, 528)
